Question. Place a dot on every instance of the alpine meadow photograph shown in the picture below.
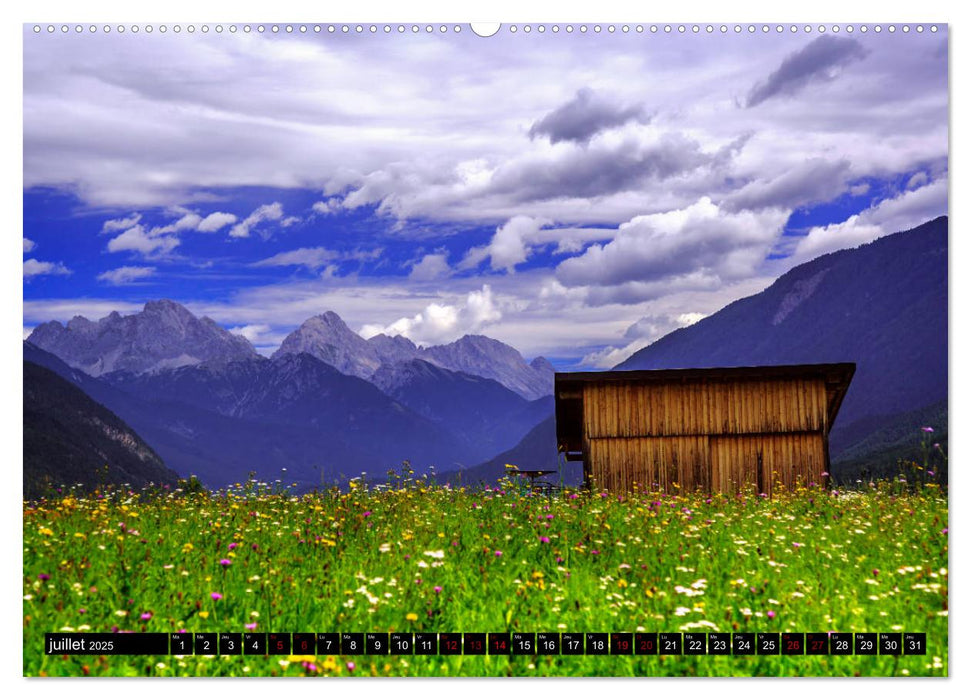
(558, 350)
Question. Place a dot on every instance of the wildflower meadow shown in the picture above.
(415, 556)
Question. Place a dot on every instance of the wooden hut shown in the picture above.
(718, 430)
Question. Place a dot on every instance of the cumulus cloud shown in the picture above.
(265, 212)
(35, 268)
(159, 240)
(187, 222)
(29, 245)
(216, 221)
(264, 337)
(146, 242)
(586, 115)
(156, 123)
(610, 357)
(701, 241)
(900, 213)
(509, 245)
(917, 180)
(816, 180)
(641, 333)
(126, 275)
(600, 169)
(442, 323)
(820, 60)
(112, 225)
(329, 206)
(311, 258)
(431, 267)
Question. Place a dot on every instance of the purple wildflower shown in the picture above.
(498, 553)
(351, 666)
(438, 589)
(216, 596)
(146, 615)
(250, 625)
(770, 614)
(225, 562)
(544, 540)
(927, 429)
(44, 577)
(232, 546)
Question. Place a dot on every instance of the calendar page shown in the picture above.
(522, 349)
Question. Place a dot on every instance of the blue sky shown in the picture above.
(575, 196)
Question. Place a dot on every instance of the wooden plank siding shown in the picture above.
(762, 461)
(650, 462)
(720, 408)
(717, 429)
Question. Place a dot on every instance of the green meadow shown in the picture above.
(414, 556)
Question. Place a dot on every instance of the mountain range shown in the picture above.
(328, 338)
(215, 408)
(330, 404)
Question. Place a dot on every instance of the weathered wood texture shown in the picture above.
(713, 436)
(717, 408)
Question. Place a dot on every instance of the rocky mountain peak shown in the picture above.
(541, 364)
(164, 334)
(328, 338)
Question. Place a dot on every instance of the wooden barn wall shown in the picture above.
(714, 408)
(725, 464)
(791, 459)
(651, 462)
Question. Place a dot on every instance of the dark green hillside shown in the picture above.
(71, 439)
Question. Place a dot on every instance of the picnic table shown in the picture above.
(533, 475)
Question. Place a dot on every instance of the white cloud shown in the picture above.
(265, 212)
(216, 221)
(34, 268)
(900, 213)
(138, 240)
(251, 332)
(440, 323)
(431, 267)
(699, 245)
(917, 180)
(329, 206)
(611, 357)
(264, 337)
(112, 225)
(641, 334)
(187, 222)
(157, 123)
(29, 245)
(311, 258)
(508, 246)
(290, 221)
(126, 275)
(515, 241)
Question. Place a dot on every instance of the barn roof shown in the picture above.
(569, 395)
